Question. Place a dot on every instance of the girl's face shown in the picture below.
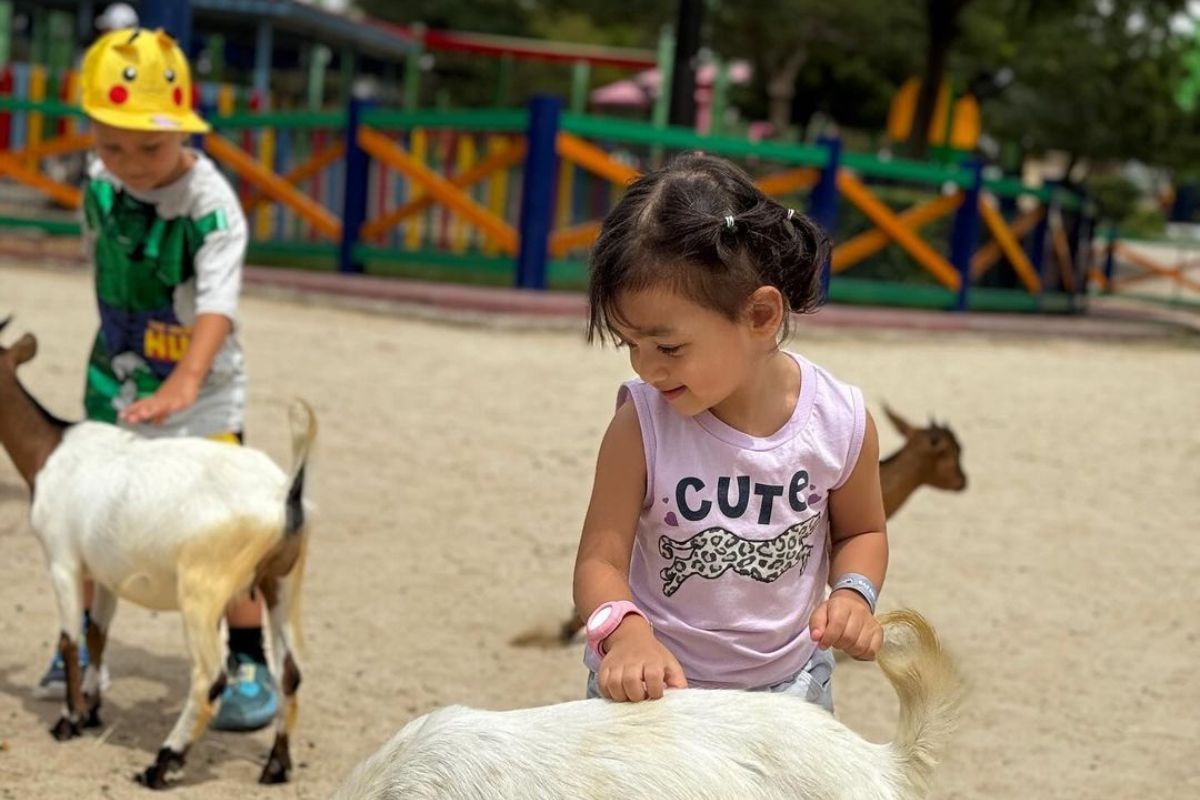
(141, 160)
(695, 356)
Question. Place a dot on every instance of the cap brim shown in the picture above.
(187, 122)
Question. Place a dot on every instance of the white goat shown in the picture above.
(693, 744)
(165, 523)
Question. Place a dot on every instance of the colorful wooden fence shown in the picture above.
(504, 193)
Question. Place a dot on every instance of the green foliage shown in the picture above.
(1115, 197)
(1149, 223)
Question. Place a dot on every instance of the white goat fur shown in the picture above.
(693, 744)
(180, 523)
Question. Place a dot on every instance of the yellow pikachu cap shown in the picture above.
(139, 80)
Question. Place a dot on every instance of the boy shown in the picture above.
(167, 236)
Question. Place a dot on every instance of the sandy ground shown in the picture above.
(453, 471)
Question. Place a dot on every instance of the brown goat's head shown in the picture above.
(938, 448)
(19, 353)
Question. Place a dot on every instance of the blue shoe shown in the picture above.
(250, 699)
(53, 685)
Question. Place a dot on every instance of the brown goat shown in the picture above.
(930, 456)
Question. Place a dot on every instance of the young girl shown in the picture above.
(736, 479)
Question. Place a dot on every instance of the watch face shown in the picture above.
(599, 617)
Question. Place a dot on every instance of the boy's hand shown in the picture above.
(177, 392)
(637, 667)
(845, 622)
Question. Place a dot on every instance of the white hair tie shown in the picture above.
(729, 221)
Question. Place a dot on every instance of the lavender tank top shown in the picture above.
(731, 555)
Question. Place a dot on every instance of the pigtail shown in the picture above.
(803, 256)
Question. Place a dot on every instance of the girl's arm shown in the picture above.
(635, 666)
(858, 533)
(180, 388)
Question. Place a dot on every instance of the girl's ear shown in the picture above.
(764, 311)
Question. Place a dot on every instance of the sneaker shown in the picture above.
(53, 685)
(250, 699)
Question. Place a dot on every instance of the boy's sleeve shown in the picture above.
(219, 260)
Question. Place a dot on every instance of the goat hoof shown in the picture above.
(273, 772)
(65, 729)
(93, 719)
(152, 778)
(155, 775)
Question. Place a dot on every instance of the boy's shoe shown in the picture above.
(53, 685)
(250, 699)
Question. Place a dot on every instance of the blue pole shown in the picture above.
(538, 191)
(1037, 244)
(823, 202)
(264, 45)
(1087, 232)
(173, 16)
(1110, 259)
(965, 237)
(354, 194)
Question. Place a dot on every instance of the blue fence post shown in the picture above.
(823, 202)
(965, 237)
(354, 190)
(1075, 244)
(1110, 259)
(1087, 232)
(1037, 245)
(538, 191)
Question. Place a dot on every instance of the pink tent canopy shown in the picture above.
(640, 90)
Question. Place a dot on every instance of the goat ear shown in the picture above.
(23, 350)
(899, 423)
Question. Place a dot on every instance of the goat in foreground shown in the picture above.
(930, 456)
(693, 744)
(168, 524)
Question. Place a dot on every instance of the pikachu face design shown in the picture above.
(139, 79)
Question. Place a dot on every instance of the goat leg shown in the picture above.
(104, 605)
(69, 725)
(281, 596)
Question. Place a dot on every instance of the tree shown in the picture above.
(782, 38)
(1096, 82)
(942, 24)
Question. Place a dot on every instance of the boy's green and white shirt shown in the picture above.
(161, 257)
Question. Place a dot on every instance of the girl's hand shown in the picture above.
(637, 667)
(177, 392)
(845, 622)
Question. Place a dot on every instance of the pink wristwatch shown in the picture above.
(604, 620)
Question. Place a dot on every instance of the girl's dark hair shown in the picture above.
(700, 227)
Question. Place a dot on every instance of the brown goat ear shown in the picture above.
(23, 350)
(899, 423)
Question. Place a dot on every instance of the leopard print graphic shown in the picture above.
(714, 550)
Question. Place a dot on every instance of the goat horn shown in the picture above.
(5, 321)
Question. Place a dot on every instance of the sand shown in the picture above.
(452, 474)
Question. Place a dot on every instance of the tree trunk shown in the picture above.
(781, 89)
(942, 19)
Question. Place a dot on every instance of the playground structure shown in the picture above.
(516, 195)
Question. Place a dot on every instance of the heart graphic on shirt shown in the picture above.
(671, 519)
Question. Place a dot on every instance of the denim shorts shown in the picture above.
(814, 682)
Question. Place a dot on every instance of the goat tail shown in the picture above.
(929, 687)
(304, 430)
